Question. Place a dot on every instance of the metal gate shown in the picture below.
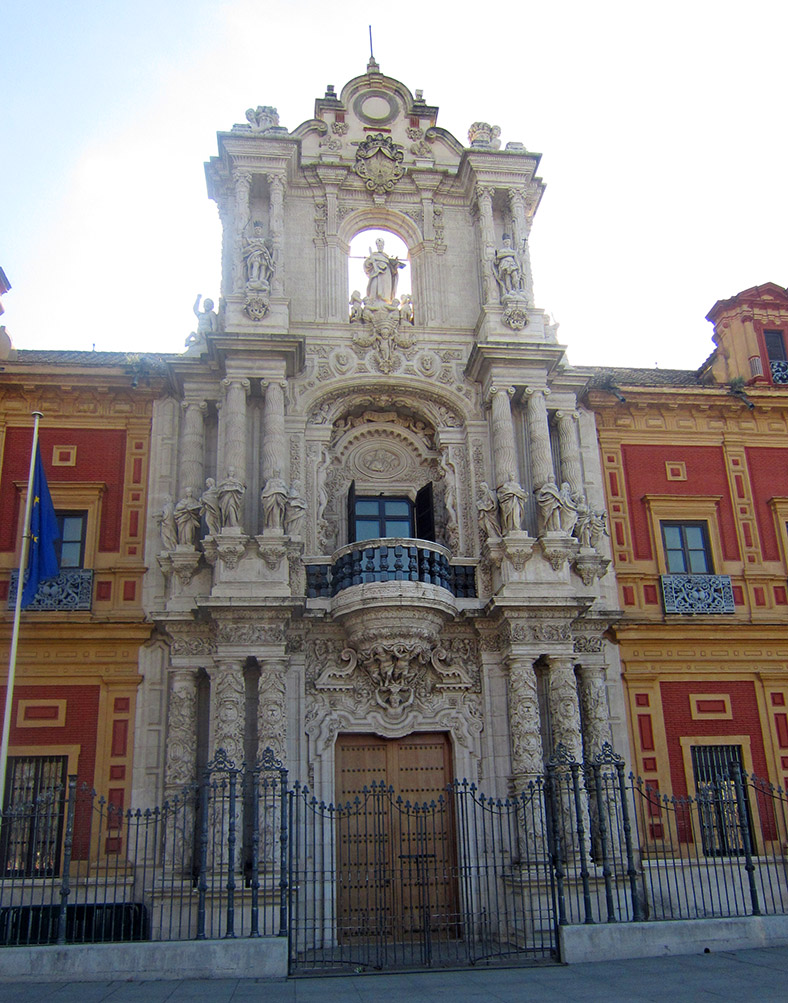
(381, 883)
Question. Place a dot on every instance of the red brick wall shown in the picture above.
(644, 472)
(769, 478)
(101, 456)
(679, 723)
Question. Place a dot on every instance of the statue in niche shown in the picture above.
(551, 504)
(167, 527)
(406, 309)
(506, 267)
(274, 499)
(295, 512)
(231, 492)
(383, 273)
(487, 506)
(512, 499)
(210, 508)
(187, 518)
(258, 261)
(450, 501)
(356, 306)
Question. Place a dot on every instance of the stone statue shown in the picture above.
(258, 262)
(167, 528)
(406, 309)
(487, 505)
(598, 528)
(231, 492)
(383, 273)
(295, 512)
(210, 509)
(512, 499)
(582, 528)
(507, 269)
(356, 306)
(187, 518)
(550, 503)
(207, 318)
(274, 500)
(568, 509)
(450, 501)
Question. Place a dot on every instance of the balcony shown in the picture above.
(697, 594)
(70, 590)
(779, 371)
(390, 560)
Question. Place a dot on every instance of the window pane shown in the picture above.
(72, 528)
(398, 527)
(698, 563)
(398, 507)
(675, 559)
(367, 529)
(672, 537)
(367, 506)
(69, 555)
(694, 536)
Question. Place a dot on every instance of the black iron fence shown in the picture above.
(381, 882)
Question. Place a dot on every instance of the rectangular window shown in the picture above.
(32, 827)
(775, 346)
(382, 517)
(71, 545)
(687, 549)
(718, 811)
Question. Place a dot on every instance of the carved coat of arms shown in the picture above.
(379, 163)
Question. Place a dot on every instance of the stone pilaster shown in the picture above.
(191, 447)
(181, 763)
(276, 197)
(243, 187)
(538, 436)
(228, 714)
(564, 707)
(484, 196)
(571, 470)
(232, 418)
(596, 712)
(525, 733)
(504, 451)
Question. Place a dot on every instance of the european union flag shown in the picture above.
(42, 560)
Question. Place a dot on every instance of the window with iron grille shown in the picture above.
(720, 819)
(687, 549)
(32, 828)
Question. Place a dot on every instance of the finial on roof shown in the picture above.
(372, 66)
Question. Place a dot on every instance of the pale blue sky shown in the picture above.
(661, 128)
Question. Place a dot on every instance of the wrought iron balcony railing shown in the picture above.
(697, 594)
(70, 590)
(390, 560)
(779, 371)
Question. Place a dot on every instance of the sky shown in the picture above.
(661, 128)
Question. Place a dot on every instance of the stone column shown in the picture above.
(243, 187)
(228, 724)
(233, 421)
(274, 451)
(538, 436)
(484, 196)
(596, 711)
(276, 217)
(525, 732)
(504, 450)
(181, 769)
(224, 202)
(566, 731)
(191, 451)
(570, 450)
(271, 708)
(565, 707)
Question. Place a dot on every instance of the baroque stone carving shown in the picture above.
(271, 712)
(379, 163)
(487, 507)
(482, 134)
(210, 508)
(227, 705)
(231, 492)
(259, 271)
(262, 118)
(249, 632)
(187, 518)
(182, 728)
(167, 527)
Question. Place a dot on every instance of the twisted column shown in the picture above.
(570, 450)
(538, 436)
(504, 451)
(191, 447)
(232, 418)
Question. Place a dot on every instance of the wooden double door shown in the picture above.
(395, 839)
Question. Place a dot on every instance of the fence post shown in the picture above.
(744, 825)
(602, 819)
(581, 842)
(252, 777)
(554, 839)
(632, 873)
(283, 852)
(230, 927)
(202, 880)
(68, 845)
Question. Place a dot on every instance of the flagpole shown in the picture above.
(9, 693)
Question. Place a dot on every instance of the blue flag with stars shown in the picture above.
(42, 559)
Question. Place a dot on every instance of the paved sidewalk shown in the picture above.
(739, 975)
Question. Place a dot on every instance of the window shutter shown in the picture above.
(425, 518)
(351, 513)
